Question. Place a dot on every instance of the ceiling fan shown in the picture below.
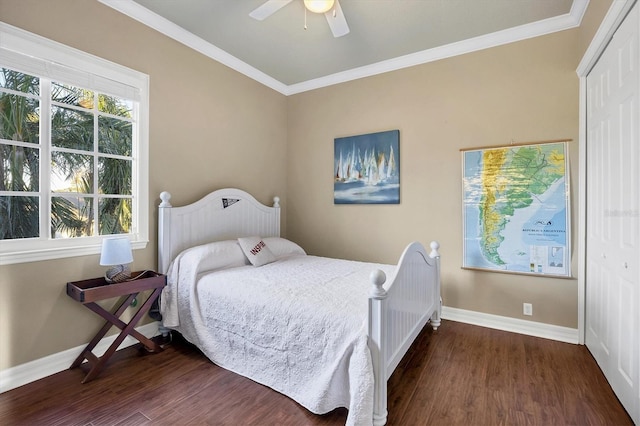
(331, 9)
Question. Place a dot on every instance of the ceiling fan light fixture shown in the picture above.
(319, 6)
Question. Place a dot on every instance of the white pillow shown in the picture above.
(256, 251)
(281, 247)
(217, 255)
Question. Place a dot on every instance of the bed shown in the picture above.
(326, 332)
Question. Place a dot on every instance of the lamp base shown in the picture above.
(118, 274)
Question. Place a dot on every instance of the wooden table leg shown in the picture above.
(127, 329)
(99, 310)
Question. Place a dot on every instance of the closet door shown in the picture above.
(613, 214)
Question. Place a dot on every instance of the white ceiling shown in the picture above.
(385, 34)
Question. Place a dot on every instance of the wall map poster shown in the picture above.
(516, 209)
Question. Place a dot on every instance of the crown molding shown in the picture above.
(523, 32)
(612, 20)
(171, 30)
(511, 35)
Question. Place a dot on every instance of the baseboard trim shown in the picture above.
(14, 377)
(529, 328)
(19, 375)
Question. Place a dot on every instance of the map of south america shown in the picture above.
(517, 196)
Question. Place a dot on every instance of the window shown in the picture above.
(73, 150)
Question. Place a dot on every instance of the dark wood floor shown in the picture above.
(459, 375)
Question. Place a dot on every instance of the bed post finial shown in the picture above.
(377, 341)
(434, 249)
(276, 202)
(378, 278)
(165, 197)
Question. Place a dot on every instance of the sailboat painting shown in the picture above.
(366, 169)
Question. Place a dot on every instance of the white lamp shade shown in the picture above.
(116, 251)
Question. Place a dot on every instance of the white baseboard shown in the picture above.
(34, 370)
(529, 328)
(31, 371)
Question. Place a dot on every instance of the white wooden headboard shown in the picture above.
(224, 214)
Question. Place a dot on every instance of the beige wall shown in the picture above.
(212, 127)
(525, 91)
(591, 21)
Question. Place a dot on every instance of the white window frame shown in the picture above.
(26, 52)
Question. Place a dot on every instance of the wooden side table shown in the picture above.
(90, 291)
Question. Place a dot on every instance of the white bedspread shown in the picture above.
(297, 325)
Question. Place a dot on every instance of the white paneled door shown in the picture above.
(612, 308)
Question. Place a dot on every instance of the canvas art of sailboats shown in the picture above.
(367, 169)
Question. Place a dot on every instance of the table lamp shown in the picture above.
(116, 252)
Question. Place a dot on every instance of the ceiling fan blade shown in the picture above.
(268, 8)
(337, 21)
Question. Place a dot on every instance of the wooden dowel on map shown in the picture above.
(514, 144)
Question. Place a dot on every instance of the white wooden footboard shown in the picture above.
(397, 315)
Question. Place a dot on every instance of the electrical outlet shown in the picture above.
(527, 309)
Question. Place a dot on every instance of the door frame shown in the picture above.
(614, 17)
